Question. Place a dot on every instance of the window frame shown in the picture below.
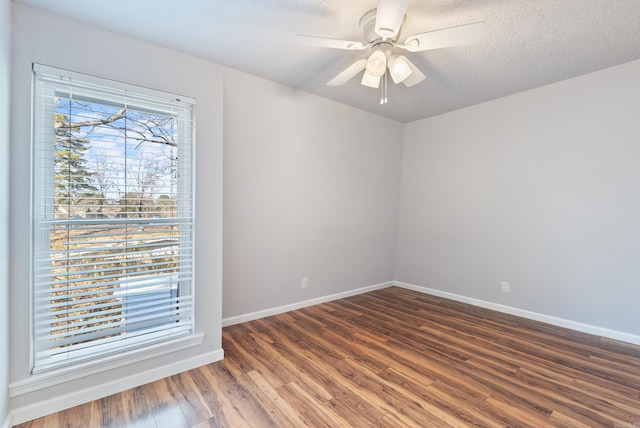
(40, 240)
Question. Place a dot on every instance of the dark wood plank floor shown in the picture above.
(389, 358)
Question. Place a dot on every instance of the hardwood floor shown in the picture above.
(389, 358)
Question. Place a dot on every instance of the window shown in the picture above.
(112, 217)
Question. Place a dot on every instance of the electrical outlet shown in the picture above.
(506, 288)
(305, 283)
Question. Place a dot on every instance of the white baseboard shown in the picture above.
(560, 322)
(299, 305)
(33, 411)
(7, 422)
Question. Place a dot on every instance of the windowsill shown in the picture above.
(80, 370)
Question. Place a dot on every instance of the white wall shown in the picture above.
(47, 39)
(310, 190)
(540, 189)
(5, 49)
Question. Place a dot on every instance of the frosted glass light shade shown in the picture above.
(399, 69)
(370, 80)
(377, 64)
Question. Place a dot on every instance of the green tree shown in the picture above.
(72, 179)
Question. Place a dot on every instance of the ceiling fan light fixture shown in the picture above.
(381, 28)
(399, 68)
(370, 80)
(377, 63)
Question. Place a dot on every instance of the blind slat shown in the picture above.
(111, 307)
(157, 307)
(76, 292)
(105, 345)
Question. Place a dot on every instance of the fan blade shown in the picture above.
(348, 74)
(389, 17)
(416, 75)
(324, 42)
(448, 37)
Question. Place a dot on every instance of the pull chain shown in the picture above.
(383, 90)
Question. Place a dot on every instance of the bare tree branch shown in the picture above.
(147, 140)
(77, 125)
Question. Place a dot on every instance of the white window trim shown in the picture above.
(87, 368)
(51, 376)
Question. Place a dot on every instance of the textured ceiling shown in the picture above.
(528, 43)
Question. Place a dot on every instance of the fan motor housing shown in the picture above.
(368, 28)
(384, 46)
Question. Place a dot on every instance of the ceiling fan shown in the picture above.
(381, 28)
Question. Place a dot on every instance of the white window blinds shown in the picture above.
(112, 217)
